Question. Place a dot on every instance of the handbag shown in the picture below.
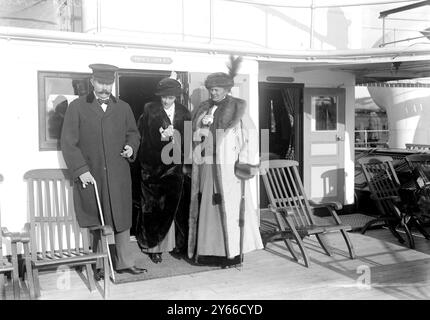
(245, 171)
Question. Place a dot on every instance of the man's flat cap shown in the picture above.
(104, 73)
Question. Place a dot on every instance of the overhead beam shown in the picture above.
(385, 13)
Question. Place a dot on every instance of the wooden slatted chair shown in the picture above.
(293, 212)
(384, 187)
(56, 238)
(417, 146)
(419, 167)
(12, 266)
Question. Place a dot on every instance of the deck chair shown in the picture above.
(56, 238)
(293, 212)
(384, 187)
(417, 146)
(12, 266)
(419, 167)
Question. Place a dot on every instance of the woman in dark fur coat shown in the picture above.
(163, 216)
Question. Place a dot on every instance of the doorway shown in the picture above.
(138, 87)
(281, 113)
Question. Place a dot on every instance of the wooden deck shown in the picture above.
(383, 270)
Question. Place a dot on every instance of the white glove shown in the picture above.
(166, 133)
(127, 151)
(86, 178)
(208, 120)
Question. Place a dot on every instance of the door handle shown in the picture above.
(339, 138)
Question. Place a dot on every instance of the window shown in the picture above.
(56, 92)
(324, 109)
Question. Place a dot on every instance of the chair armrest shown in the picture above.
(275, 210)
(394, 198)
(265, 210)
(336, 205)
(15, 236)
(106, 230)
(331, 206)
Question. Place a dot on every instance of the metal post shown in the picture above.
(99, 16)
(211, 22)
(311, 35)
(183, 20)
(383, 32)
(266, 27)
(365, 138)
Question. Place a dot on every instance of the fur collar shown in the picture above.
(91, 97)
(229, 112)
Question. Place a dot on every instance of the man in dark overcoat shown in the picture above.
(99, 138)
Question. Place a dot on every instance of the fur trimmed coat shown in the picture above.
(234, 140)
(92, 140)
(163, 194)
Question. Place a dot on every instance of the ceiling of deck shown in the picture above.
(378, 72)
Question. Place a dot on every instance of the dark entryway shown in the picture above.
(138, 87)
(281, 113)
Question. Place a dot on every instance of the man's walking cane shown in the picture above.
(103, 223)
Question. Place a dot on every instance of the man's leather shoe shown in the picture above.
(132, 270)
(99, 274)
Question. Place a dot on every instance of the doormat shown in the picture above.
(172, 265)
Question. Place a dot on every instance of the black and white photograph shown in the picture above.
(216, 156)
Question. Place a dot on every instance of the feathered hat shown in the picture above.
(222, 79)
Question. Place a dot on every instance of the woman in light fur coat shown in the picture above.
(221, 135)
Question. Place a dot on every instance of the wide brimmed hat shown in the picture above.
(104, 73)
(168, 87)
(219, 79)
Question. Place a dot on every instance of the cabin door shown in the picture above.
(324, 144)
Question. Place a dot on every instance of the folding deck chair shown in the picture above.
(294, 212)
(384, 186)
(419, 167)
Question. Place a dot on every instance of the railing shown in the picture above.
(371, 138)
(384, 14)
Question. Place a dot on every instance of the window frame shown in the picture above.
(47, 143)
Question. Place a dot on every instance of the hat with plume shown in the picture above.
(222, 79)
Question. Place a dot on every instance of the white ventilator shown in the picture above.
(103, 223)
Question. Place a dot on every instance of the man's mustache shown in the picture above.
(103, 92)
